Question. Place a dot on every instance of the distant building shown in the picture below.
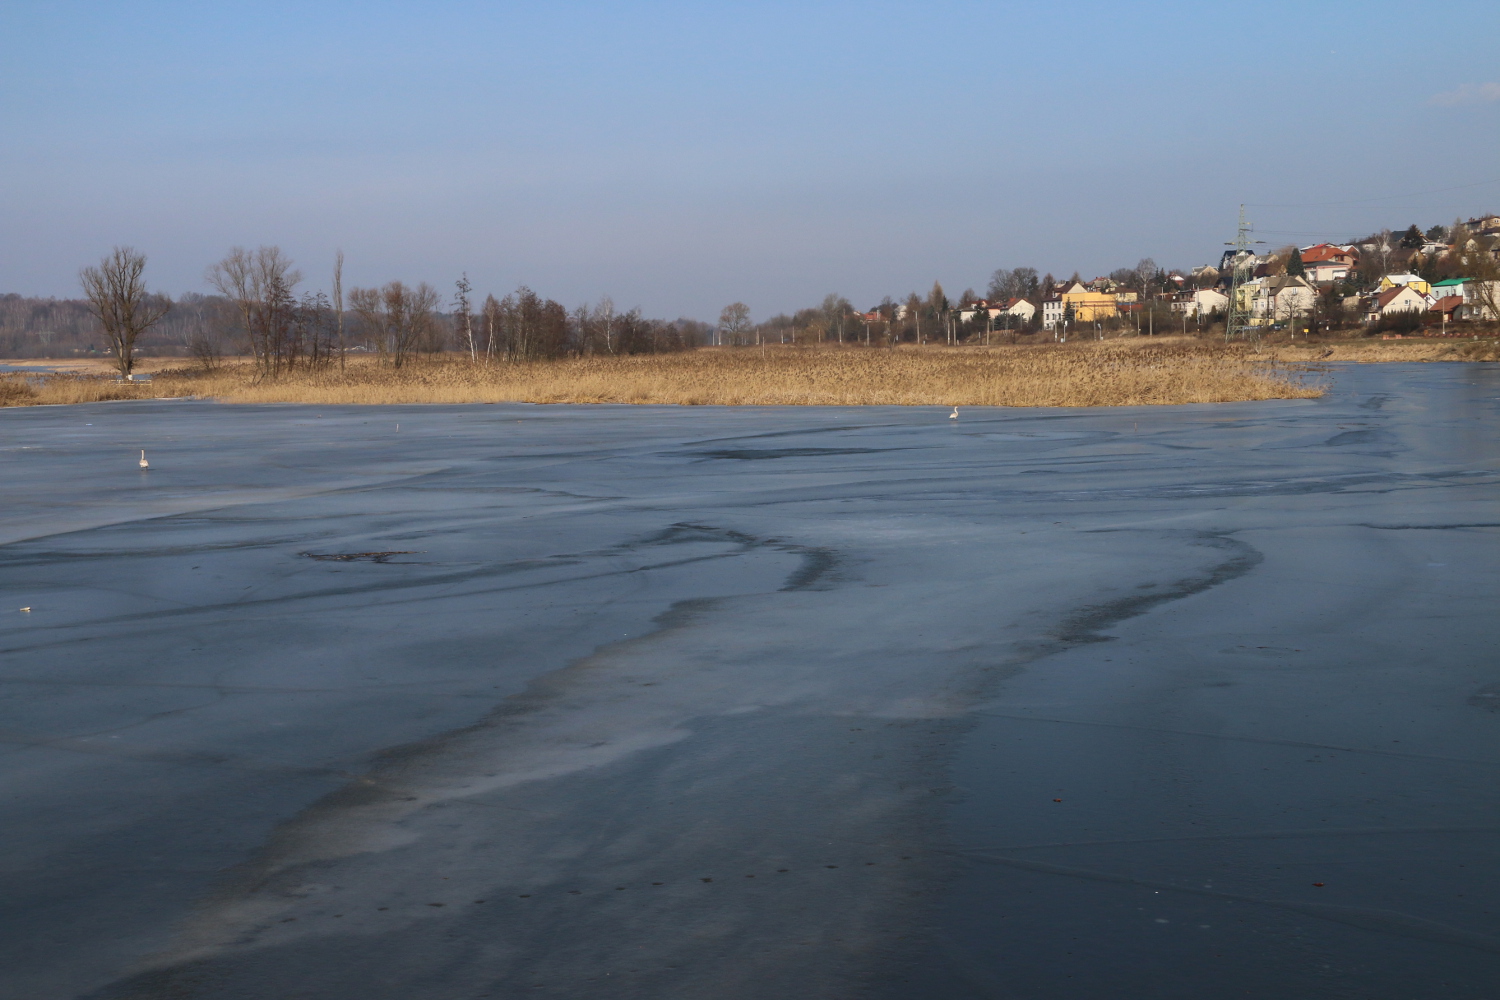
(1415, 281)
(1207, 301)
(1399, 299)
(1448, 307)
(1021, 309)
(1053, 311)
(1327, 263)
(1280, 298)
(1091, 306)
(1449, 286)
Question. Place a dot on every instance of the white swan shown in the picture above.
(144, 464)
(954, 414)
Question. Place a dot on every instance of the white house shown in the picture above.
(1052, 312)
(1402, 298)
(1207, 301)
(1282, 297)
(1020, 309)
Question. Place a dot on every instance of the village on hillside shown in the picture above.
(1404, 282)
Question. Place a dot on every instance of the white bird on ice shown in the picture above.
(144, 464)
(951, 416)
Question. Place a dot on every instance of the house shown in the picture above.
(1207, 301)
(1448, 307)
(1450, 286)
(1483, 223)
(1020, 309)
(1409, 280)
(1327, 263)
(1481, 299)
(1280, 298)
(1091, 306)
(1399, 299)
(1246, 293)
(1205, 275)
(1052, 312)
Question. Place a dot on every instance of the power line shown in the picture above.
(1392, 197)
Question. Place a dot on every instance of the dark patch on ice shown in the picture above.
(374, 557)
(817, 562)
(1373, 403)
(755, 454)
(1269, 652)
(1085, 625)
(1356, 437)
(1432, 527)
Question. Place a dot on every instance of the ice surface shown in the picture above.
(692, 702)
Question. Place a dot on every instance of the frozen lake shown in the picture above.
(500, 701)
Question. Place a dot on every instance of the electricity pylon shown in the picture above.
(1237, 318)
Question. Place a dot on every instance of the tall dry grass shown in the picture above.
(1373, 350)
(1112, 373)
(54, 390)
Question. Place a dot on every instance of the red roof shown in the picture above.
(1447, 303)
(1325, 252)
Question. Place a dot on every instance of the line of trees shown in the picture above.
(259, 308)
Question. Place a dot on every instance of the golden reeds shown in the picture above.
(53, 390)
(1111, 373)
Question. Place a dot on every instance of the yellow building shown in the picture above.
(1090, 306)
(1412, 281)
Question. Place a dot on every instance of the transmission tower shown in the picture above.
(1237, 319)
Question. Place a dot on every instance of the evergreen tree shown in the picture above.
(1294, 265)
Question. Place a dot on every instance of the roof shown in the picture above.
(1390, 294)
(1447, 303)
(1449, 282)
(1322, 252)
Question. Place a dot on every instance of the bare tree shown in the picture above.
(465, 313)
(260, 286)
(402, 319)
(338, 302)
(734, 321)
(914, 313)
(1020, 283)
(836, 310)
(117, 296)
(604, 316)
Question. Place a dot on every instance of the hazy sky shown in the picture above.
(681, 156)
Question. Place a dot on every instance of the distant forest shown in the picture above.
(44, 328)
(522, 325)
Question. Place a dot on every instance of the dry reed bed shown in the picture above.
(1374, 350)
(1110, 374)
(65, 389)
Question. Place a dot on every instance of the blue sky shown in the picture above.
(678, 157)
